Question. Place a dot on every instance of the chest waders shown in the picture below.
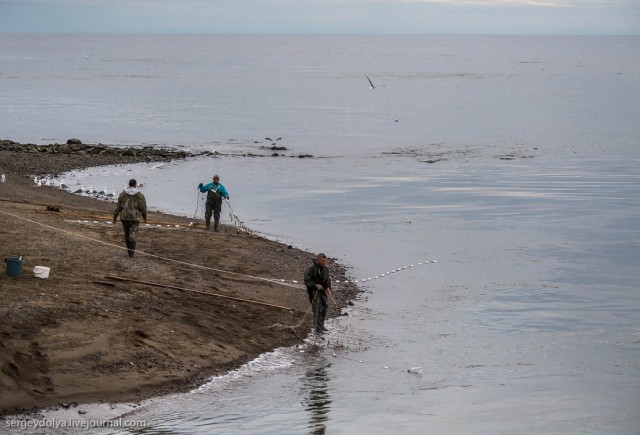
(213, 206)
(319, 302)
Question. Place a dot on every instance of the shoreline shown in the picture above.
(80, 337)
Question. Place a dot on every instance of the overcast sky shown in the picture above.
(323, 16)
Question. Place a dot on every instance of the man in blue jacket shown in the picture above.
(215, 192)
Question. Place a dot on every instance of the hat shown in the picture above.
(216, 176)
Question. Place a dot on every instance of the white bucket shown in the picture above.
(41, 272)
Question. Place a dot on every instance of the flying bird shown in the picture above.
(87, 56)
(273, 142)
(370, 82)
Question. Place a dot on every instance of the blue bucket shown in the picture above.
(14, 266)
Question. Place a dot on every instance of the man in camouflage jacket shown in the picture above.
(131, 207)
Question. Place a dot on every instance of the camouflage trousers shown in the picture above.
(130, 230)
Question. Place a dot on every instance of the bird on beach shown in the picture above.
(370, 82)
(273, 142)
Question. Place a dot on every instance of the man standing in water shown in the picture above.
(318, 283)
(131, 207)
(215, 192)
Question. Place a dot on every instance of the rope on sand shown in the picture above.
(293, 283)
(292, 328)
(258, 278)
(125, 279)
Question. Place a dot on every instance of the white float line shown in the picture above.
(383, 275)
(111, 223)
(400, 269)
(386, 274)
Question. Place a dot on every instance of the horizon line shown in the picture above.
(311, 33)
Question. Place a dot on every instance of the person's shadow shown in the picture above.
(318, 400)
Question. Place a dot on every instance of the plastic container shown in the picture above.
(41, 272)
(14, 266)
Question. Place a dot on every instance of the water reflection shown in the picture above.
(318, 400)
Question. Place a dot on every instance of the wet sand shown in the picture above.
(106, 328)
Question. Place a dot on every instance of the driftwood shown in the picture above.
(107, 283)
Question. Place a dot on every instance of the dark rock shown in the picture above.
(274, 148)
(74, 141)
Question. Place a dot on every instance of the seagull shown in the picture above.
(87, 56)
(370, 82)
(273, 142)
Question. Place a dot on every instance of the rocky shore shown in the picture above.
(106, 328)
(53, 159)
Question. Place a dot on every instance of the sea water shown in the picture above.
(511, 161)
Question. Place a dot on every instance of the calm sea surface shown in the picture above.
(512, 161)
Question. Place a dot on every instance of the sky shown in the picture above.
(513, 17)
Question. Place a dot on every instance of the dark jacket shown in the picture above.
(316, 274)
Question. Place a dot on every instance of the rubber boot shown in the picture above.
(216, 221)
(207, 224)
(317, 322)
(322, 313)
(130, 248)
(320, 326)
(133, 248)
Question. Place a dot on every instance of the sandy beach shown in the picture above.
(107, 328)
